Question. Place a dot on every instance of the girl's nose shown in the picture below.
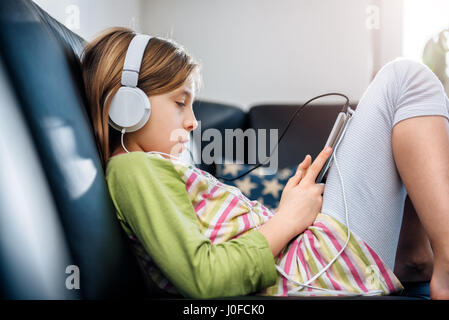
(190, 123)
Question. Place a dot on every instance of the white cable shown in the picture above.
(296, 291)
(123, 145)
(277, 267)
(306, 284)
(301, 286)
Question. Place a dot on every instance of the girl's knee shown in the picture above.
(406, 68)
(409, 72)
(402, 62)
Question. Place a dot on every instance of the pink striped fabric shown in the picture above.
(225, 213)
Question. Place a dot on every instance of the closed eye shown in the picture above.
(181, 104)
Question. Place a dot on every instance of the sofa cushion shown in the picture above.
(260, 185)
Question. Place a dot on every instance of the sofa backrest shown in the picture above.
(217, 117)
(307, 133)
(41, 59)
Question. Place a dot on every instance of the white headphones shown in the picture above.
(130, 107)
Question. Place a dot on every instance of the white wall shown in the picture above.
(89, 17)
(433, 16)
(259, 51)
(386, 39)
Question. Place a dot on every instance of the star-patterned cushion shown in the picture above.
(256, 185)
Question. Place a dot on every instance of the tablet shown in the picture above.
(333, 141)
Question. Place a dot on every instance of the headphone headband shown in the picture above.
(133, 60)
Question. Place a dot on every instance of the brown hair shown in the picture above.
(165, 67)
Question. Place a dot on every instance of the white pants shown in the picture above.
(374, 192)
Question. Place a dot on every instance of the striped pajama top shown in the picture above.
(224, 213)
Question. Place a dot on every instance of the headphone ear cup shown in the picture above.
(130, 109)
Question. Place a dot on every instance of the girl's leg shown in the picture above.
(403, 91)
(421, 152)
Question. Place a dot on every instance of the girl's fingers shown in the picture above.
(316, 166)
(304, 164)
(294, 180)
(302, 167)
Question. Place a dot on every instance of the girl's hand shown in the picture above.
(301, 199)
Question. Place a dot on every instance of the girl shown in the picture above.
(200, 238)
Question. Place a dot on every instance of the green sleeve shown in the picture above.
(150, 196)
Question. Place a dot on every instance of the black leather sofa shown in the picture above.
(55, 209)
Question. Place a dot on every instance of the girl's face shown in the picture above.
(171, 120)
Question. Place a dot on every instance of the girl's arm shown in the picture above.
(151, 197)
(278, 233)
(300, 202)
